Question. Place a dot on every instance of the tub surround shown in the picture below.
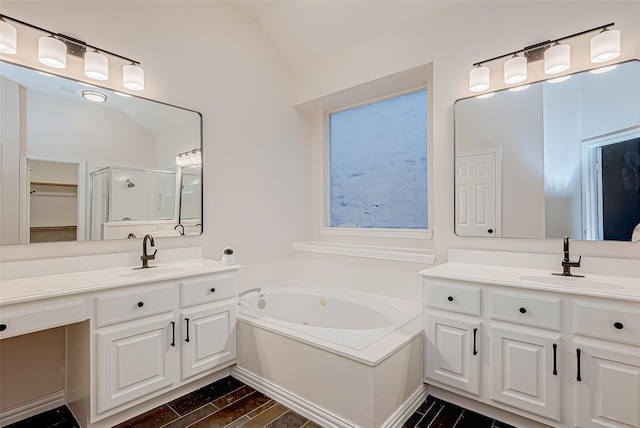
(373, 384)
(560, 351)
(150, 329)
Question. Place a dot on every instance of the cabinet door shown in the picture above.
(452, 352)
(524, 371)
(209, 338)
(135, 361)
(608, 392)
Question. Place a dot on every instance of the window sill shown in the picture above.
(408, 255)
(377, 233)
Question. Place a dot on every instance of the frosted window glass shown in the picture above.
(379, 164)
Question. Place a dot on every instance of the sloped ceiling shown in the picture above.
(306, 31)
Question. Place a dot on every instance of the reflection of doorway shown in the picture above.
(613, 186)
(53, 201)
(478, 195)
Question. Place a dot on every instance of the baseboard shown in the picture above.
(322, 416)
(32, 408)
(402, 414)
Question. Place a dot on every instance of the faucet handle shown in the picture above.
(153, 256)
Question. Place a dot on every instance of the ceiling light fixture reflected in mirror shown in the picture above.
(94, 96)
(559, 79)
(603, 69)
(487, 95)
(519, 88)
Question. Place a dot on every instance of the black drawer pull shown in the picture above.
(3, 327)
(140, 304)
(555, 367)
(173, 329)
(578, 352)
(187, 321)
(523, 310)
(618, 325)
(450, 298)
(213, 290)
(475, 333)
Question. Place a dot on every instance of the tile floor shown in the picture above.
(229, 403)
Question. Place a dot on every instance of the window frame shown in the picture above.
(416, 233)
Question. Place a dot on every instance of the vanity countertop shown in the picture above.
(49, 286)
(609, 286)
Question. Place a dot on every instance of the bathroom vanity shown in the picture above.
(563, 351)
(134, 338)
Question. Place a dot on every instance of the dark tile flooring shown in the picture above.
(230, 403)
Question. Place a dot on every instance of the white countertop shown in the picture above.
(49, 286)
(609, 286)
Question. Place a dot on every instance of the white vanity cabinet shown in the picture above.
(564, 358)
(607, 355)
(453, 330)
(151, 338)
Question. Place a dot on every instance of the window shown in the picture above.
(378, 164)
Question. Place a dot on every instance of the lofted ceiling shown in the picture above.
(306, 31)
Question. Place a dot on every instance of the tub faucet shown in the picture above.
(146, 257)
(567, 264)
(181, 230)
(251, 290)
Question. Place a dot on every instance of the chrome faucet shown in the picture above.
(181, 230)
(251, 290)
(567, 264)
(146, 257)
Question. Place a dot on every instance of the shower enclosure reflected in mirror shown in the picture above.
(72, 169)
(559, 158)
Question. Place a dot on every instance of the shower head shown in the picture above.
(130, 183)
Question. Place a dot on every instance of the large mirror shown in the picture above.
(83, 163)
(557, 158)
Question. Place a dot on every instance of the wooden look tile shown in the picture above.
(266, 417)
(238, 422)
(473, 420)
(430, 415)
(193, 417)
(262, 408)
(447, 417)
(413, 420)
(311, 424)
(290, 419)
(498, 424)
(198, 398)
(232, 412)
(152, 419)
(426, 405)
(232, 397)
(59, 417)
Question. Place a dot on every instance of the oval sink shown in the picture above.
(571, 282)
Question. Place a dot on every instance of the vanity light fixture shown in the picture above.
(54, 48)
(8, 38)
(94, 96)
(605, 46)
(190, 158)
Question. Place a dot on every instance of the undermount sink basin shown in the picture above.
(153, 271)
(571, 282)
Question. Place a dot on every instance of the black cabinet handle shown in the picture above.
(140, 304)
(490, 230)
(475, 333)
(3, 327)
(618, 325)
(450, 298)
(173, 328)
(523, 310)
(187, 321)
(555, 366)
(213, 290)
(578, 352)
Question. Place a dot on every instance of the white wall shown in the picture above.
(216, 61)
(453, 40)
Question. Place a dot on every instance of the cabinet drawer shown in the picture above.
(135, 303)
(207, 289)
(453, 297)
(606, 322)
(29, 317)
(527, 310)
